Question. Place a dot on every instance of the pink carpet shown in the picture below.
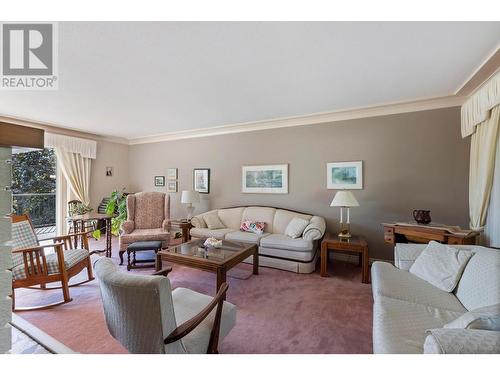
(278, 311)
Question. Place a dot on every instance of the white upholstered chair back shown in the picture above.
(138, 309)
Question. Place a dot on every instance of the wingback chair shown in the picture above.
(147, 317)
(148, 215)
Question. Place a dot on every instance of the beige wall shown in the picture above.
(410, 161)
(114, 155)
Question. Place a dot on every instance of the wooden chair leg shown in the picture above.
(89, 270)
(13, 297)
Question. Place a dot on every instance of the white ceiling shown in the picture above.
(138, 79)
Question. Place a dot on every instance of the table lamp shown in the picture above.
(189, 197)
(344, 199)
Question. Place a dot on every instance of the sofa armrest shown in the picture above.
(127, 226)
(462, 341)
(405, 254)
(316, 229)
(198, 222)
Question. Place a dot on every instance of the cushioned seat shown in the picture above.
(389, 281)
(71, 257)
(144, 245)
(246, 237)
(138, 235)
(280, 241)
(400, 326)
(188, 303)
(220, 234)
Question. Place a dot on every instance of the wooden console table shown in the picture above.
(395, 232)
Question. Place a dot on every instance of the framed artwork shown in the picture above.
(159, 180)
(201, 180)
(172, 174)
(344, 175)
(172, 186)
(109, 171)
(269, 179)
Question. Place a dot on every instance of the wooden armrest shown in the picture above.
(35, 248)
(192, 323)
(163, 272)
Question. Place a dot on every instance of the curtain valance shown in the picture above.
(477, 108)
(85, 147)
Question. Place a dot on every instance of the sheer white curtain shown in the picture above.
(74, 156)
(492, 229)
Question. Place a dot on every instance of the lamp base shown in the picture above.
(190, 210)
(344, 231)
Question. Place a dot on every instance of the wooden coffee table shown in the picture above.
(218, 260)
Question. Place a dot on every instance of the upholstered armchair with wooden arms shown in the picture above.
(33, 268)
(148, 218)
(146, 316)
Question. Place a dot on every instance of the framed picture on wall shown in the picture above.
(172, 174)
(172, 186)
(109, 171)
(344, 175)
(268, 179)
(201, 180)
(159, 180)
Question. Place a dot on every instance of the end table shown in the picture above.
(185, 226)
(354, 244)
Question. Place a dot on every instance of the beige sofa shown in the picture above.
(405, 306)
(275, 248)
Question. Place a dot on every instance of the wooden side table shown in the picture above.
(184, 226)
(355, 244)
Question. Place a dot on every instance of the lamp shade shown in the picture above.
(344, 198)
(189, 196)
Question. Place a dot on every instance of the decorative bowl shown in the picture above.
(213, 242)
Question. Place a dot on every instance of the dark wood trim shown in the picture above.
(21, 136)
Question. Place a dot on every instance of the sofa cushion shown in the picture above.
(441, 265)
(264, 214)
(301, 256)
(251, 226)
(220, 234)
(246, 237)
(213, 222)
(283, 217)
(280, 241)
(480, 282)
(295, 227)
(231, 217)
(389, 281)
(400, 326)
(155, 234)
(187, 303)
(487, 318)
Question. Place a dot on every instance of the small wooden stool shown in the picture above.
(142, 246)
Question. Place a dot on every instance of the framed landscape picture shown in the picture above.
(344, 175)
(159, 180)
(268, 179)
(172, 174)
(201, 180)
(172, 186)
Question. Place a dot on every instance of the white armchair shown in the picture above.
(146, 316)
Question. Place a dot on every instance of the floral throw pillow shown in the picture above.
(251, 226)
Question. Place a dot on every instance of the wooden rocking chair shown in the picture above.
(32, 267)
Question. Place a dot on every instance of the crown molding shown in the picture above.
(482, 74)
(57, 129)
(313, 119)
